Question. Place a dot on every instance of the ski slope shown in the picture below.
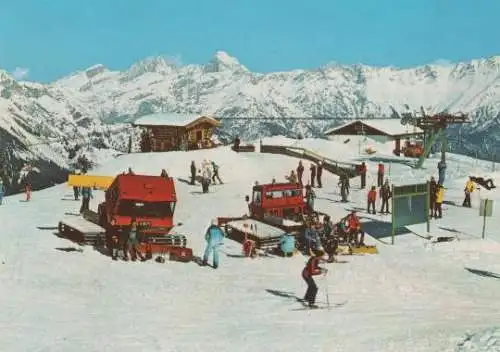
(413, 296)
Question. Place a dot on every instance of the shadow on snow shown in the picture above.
(483, 273)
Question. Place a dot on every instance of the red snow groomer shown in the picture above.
(150, 200)
(274, 209)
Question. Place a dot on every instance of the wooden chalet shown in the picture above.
(381, 130)
(169, 131)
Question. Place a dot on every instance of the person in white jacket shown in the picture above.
(206, 176)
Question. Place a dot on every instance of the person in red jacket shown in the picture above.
(311, 269)
(354, 229)
(372, 197)
(380, 174)
(249, 249)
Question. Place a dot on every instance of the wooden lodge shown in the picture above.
(380, 130)
(169, 131)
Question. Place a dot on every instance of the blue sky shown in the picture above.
(52, 38)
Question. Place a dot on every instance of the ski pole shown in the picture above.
(325, 283)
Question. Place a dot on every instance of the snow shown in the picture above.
(167, 119)
(412, 296)
(391, 127)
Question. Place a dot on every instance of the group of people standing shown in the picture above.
(207, 174)
(470, 186)
(315, 178)
(127, 242)
(385, 193)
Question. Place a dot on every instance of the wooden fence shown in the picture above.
(333, 166)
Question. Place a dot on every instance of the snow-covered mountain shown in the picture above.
(416, 295)
(87, 109)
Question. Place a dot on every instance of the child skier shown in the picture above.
(311, 269)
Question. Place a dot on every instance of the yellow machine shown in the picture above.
(96, 182)
(348, 250)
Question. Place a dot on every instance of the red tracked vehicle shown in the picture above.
(274, 209)
(150, 200)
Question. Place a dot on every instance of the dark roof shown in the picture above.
(375, 127)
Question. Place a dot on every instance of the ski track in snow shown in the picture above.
(413, 296)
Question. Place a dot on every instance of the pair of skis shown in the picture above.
(316, 307)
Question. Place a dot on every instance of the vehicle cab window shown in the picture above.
(256, 198)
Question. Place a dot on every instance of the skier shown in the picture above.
(214, 237)
(469, 188)
(2, 191)
(133, 242)
(372, 197)
(313, 174)
(385, 194)
(206, 178)
(193, 172)
(362, 173)
(380, 174)
(432, 195)
(310, 196)
(292, 178)
(300, 172)
(76, 189)
(438, 212)
(319, 172)
(130, 172)
(86, 195)
(441, 172)
(344, 187)
(215, 174)
(312, 269)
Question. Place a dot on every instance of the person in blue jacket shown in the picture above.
(287, 244)
(441, 172)
(214, 237)
(2, 191)
(86, 195)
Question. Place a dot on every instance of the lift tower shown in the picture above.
(434, 127)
